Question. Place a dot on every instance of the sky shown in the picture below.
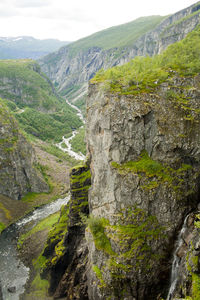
(70, 20)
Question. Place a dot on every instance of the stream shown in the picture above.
(66, 141)
(13, 273)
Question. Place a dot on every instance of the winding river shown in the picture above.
(13, 273)
(66, 141)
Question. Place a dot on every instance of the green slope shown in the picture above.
(144, 74)
(30, 96)
(118, 36)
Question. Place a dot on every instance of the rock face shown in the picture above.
(145, 161)
(18, 175)
(66, 69)
(67, 257)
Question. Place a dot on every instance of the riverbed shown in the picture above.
(66, 141)
(14, 274)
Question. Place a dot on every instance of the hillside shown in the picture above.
(32, 98)
(18, 172)
(117, 36)
(72, 66)
(27, 47)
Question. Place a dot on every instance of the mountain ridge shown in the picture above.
(70, 70)
(22, 47)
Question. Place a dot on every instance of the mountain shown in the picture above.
(34, 102)
(27, 47)
(143, 154)
(18, 172)
(72, 66)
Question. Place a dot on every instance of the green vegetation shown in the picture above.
(6, 212)
(78, 142)
(25, 85)
(144, 74)
(39, 287)
(195, 286)
(99, 275)
(30, 95)
(131, 237)
(48, 126)
(2, 227)
(97, 228)
(155, 173)
(55, 242)
(44, 224)
(81, 104)
(118, 36)
(62, 156)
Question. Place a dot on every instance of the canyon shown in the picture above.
(131, 228)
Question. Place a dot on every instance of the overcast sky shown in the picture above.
(70, 20)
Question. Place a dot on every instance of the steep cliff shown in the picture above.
(18, 172)
(72, 66)
(66, 253)
(143, 139)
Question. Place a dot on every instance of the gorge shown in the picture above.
(131, 228)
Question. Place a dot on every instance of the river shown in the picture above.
(66, 141)
(14, 274)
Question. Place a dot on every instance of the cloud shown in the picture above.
(7, 10)
(31, 3)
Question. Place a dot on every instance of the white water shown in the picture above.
(66, 141)
(13, 273)
(176, 262)
(79, 113)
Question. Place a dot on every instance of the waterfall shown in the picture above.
(176, 262)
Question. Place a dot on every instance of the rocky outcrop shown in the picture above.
(67, 67)
(18, 166)
(66, 251)
(145, 161)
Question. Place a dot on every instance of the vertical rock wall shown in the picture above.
(145, 156)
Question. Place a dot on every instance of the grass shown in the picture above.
(118, 36)
(155, 172)
(47, 223)
(131, 237)
(195, 286)
(97, 228)
(46, 115)
(145, 74)
(62, 156)
(39, 287)
(78, 142)
(52, 126)
(6, 212)
(2, 226)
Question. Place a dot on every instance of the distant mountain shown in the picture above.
(27, 47)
